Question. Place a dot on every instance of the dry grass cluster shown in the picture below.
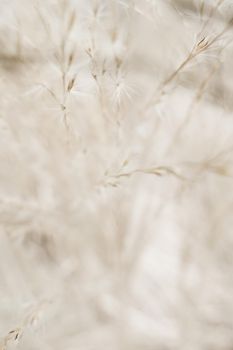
(116, 174)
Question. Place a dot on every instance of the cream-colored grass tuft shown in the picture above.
(116, 174)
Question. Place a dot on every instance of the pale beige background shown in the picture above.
(116, 174)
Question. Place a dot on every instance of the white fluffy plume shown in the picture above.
(116, 175)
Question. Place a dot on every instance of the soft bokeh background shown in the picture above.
(116, 165)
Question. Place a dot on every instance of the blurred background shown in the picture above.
(116, 165)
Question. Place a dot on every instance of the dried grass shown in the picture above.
(116, 174)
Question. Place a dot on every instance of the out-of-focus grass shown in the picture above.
(116, 174)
